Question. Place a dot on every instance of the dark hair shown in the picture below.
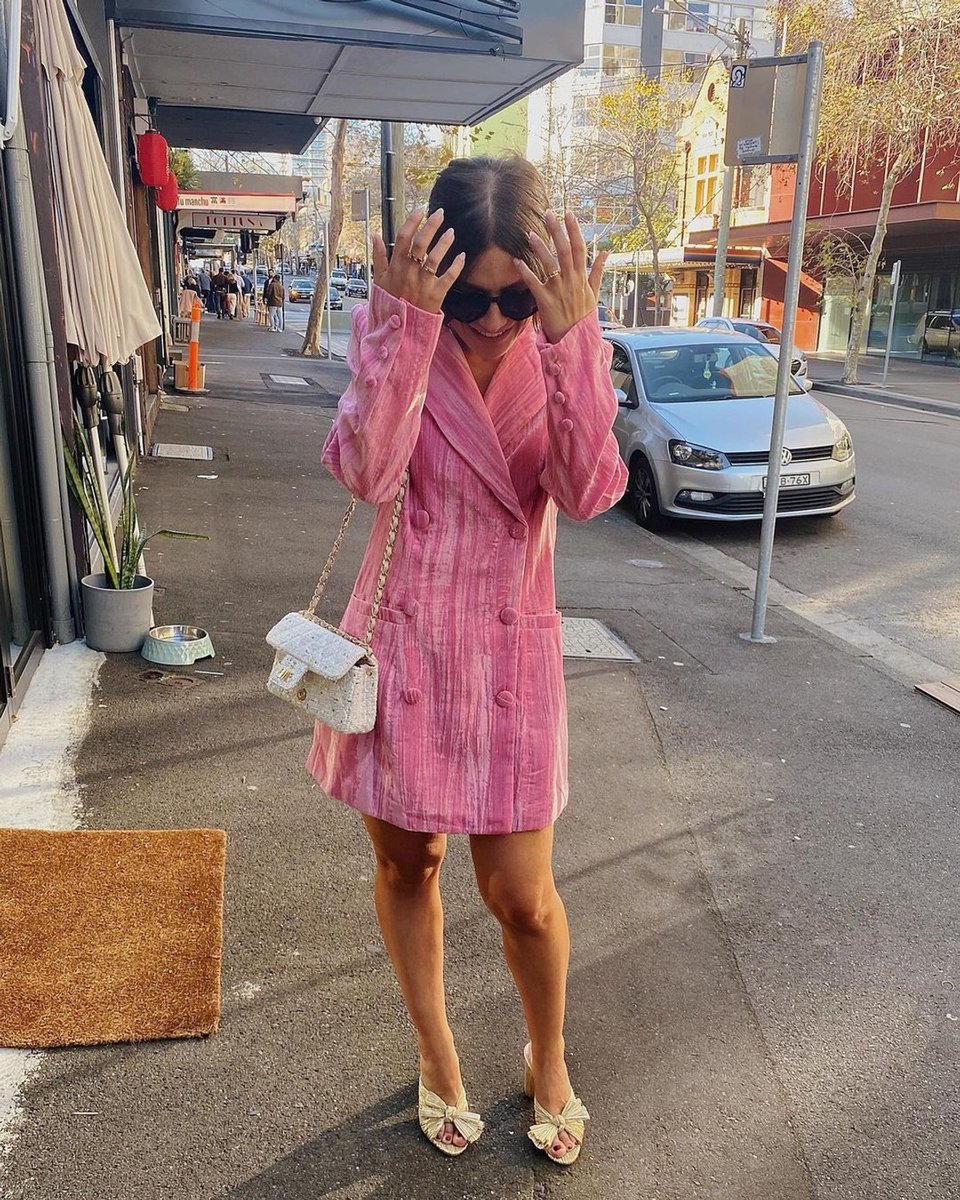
(491, 202)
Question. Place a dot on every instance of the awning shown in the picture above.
(108, 309)
(268, 75)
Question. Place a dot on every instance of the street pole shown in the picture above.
(366, 239)
(387, 175)
(791, 296)
(894, 291)
(726, 198)
(723, 238)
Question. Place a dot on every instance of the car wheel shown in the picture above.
(642, 495)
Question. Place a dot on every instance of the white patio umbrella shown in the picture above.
(109, 312)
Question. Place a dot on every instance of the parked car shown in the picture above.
(762, 331)
(334, 299)
(607, 318)
(338, 277)
(693, 426)
(301, 289)
(357, 287)
(937, 332)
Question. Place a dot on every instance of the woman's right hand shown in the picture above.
(403, 275)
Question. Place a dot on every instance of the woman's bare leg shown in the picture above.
(515, 877)
(407, 895)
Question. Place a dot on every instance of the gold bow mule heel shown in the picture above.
(548, 1125)
(434, 1112)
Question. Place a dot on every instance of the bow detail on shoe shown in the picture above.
(549, 1126)
(434, 1112)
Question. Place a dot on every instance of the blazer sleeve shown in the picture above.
(378, 419)
(583, 471)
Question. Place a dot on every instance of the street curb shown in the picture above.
(881, 397)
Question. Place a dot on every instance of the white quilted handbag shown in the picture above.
(319, 668)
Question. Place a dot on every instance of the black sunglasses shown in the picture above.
(469, 304)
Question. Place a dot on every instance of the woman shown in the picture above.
(478, 365)
(189, 294)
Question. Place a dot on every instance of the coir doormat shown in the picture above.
(109, 935)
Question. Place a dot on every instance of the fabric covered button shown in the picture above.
(566, 425)
(371, 381)
(517, 531)
(505, 699)
(395, 322)
(384, 353)
(410, 608)
(559, 397)
(420, 519)
(412, 695)
(554, 368)
(508, 616)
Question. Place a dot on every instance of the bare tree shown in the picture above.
(891, 100)
(327, 256)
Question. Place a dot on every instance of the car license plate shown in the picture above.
(788, 481)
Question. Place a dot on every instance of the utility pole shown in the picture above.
(742, 40)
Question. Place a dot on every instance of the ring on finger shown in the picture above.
(552, 275)
(425, 266)
(419, 259)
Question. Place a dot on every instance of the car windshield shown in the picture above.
(302, 283)
(761, 333)
(713, 371)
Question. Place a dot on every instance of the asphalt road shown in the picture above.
(890, 559)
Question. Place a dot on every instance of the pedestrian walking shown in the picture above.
(273, 299)
(479, 368)
(231, 295)
(203, 278)
(218, 287)
(246, 290)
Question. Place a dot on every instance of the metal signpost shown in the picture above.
(894, 292)
(772, 118)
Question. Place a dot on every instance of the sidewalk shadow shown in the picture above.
(379, 1153)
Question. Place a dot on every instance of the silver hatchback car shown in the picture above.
(696, 410)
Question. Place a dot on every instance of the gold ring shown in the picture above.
(416, 258)
(425, 266)
(553, 275)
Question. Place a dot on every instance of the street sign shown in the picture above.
(360, 204)
(764, 109)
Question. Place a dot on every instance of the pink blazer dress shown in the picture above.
(471, 731)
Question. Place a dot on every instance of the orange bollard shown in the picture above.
(193, 358)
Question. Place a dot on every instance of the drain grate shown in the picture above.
(289, 380)
(585, 637)
(174, 450)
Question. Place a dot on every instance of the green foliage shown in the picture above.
(181, 164)
(120, 569)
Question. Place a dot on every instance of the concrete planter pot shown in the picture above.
(116, 619)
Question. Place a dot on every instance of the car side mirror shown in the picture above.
(623, 400)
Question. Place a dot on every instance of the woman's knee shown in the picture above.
(412, 869)
(522, 909)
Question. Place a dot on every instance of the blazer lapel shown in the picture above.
(517, 393)
(454, 401)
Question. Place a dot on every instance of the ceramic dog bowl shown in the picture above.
(176, 645)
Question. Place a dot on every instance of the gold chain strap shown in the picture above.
(384, 564)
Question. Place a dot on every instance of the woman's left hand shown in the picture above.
(568, 293)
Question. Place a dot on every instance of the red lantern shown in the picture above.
(152, 158)
(168, 197)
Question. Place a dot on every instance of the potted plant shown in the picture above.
(118, 601)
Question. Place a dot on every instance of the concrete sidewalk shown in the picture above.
(927, 385)
(758, 861)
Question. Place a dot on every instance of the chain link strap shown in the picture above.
(384, 564)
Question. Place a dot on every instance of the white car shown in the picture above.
(338, 278)
(761, 331)
(694, 422)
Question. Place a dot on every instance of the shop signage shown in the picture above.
(237, 202)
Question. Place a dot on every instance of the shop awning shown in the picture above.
(108, 309)
(242, 74)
